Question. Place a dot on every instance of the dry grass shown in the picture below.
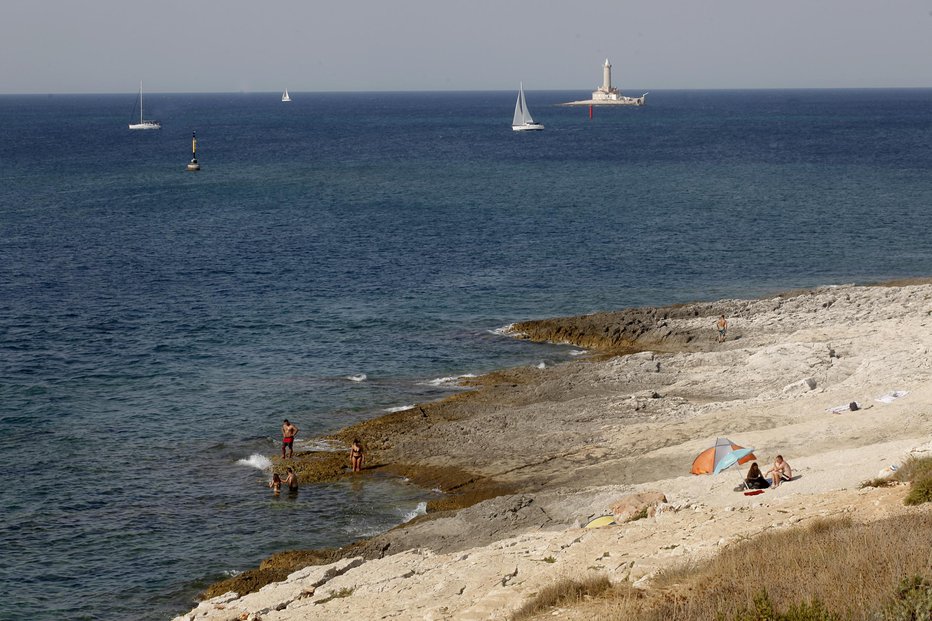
(563, 593)
(832, 569)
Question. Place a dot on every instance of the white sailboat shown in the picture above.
(285, 96)
(144, 124)
(523, 121)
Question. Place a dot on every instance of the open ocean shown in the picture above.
(156, 325)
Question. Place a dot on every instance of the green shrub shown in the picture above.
(764, 611)
(913, 601)
(914, 468)
(920, 491)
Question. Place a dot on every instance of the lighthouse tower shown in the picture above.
(606, 92)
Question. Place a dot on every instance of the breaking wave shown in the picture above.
(256, 461)
(361, 377)
(420, 509)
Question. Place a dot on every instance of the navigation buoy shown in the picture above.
(193, 165)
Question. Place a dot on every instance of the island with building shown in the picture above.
(608, 95)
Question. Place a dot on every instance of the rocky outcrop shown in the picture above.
(632, 506)
(632, 330)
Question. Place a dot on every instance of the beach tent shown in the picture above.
(707, 460)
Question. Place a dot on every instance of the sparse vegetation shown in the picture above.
(344, 592)
(917, 472)
(914, 469)
(549, 559)
(830, 570)
(640, 515)
(562, 593)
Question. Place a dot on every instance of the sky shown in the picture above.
(107, 46)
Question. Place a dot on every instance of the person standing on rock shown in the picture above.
(289, 431)
(722, 325)
(356, 456)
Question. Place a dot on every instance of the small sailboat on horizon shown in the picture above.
(143, 124)
(523, 121)
(286, 96)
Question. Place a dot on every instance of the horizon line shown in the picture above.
(386, 91)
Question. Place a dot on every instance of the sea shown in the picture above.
(347, 254)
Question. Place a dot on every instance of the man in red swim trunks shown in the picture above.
(289, 431)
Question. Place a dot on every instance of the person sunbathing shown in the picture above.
(755, 480)
(781, 471)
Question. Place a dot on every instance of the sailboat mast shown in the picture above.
(140, 101)
(193, 145)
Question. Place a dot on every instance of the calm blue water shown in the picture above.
(157, 325)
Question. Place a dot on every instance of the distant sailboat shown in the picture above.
(523, 121)
(285, 96)
(143, 124)
(193, 165)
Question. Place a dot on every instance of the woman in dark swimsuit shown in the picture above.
(356, 456)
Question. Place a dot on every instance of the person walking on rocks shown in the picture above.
(722, 325)
(289, 431)
(356, 456)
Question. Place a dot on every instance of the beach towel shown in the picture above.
(754, 493)
(892, 396)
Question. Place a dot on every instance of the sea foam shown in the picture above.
(508, 330)
(578, 352)
(450, 381)
(361, 377)
(400, 408)
(420, 509)
(256, 461)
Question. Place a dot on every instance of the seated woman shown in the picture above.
(755, 480)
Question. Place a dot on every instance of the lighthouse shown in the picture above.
(608, 95)
(606, 92)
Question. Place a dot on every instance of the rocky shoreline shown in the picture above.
(531, 454)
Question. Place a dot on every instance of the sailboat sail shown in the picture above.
(528, 119)
(519, 109)
(143, 123)
(523, 120)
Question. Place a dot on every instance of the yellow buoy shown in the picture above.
(193, 165)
